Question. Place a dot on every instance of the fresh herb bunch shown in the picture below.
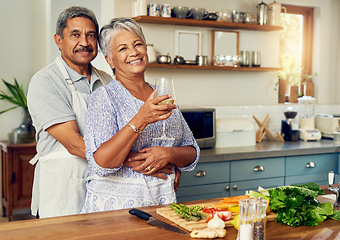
(296, 205)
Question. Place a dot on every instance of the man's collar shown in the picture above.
(75, 76)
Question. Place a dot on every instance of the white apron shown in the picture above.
(62, 189)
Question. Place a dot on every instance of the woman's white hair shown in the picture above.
(117, 24)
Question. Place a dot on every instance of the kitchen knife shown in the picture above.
(155, 222)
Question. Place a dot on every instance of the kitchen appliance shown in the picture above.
(202, 123)
(289, 126)
(262, 13)
(327, 124)
(235, 132)
(155, 222)
(307, 129)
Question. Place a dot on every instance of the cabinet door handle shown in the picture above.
(310, 165)
(227, 189)
(258, 168)
(200, 173)
(235, 187)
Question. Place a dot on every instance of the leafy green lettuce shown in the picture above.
(296, 205)
(336, 215)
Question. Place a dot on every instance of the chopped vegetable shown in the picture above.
(254, 194)
(224, 215)
(230, 202)
(188, 213)
(234, 199)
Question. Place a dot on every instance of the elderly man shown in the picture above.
(57, 101)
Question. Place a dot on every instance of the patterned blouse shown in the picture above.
(110, 109)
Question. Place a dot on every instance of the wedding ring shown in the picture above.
(148, 168)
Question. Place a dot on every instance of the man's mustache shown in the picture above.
(86, 49)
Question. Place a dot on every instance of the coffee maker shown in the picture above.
(289, 126)
(307, 129)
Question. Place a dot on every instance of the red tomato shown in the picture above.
(224, 215)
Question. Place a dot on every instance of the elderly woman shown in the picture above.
(125, 116)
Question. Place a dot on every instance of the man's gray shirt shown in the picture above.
(50, 101)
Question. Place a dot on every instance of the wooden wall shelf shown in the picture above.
(211, 67)
(206, 23)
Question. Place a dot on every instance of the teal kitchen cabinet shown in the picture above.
(208, 180)
(311, 168)
(208, 191)
(231, 178)
(240, 187)
(250, 174)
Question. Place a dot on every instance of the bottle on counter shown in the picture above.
(245, 231)
(259, 219)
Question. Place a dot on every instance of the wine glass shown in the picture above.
(165, 86)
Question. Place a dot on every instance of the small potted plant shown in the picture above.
(308, 84)
(16, 96)
(281, 87)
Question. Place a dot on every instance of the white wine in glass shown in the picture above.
(165, 86)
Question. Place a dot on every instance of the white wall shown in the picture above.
(27, 46)
(22, 50)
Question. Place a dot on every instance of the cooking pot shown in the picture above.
(164, 59)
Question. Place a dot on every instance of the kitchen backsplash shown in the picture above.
(275, 113)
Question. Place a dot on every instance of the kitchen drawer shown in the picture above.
(240, 187)
(311, 164)
(206, 173)
(246, 169)
(202, 192)
(321, 179)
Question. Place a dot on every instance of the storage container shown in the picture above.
(235, 132)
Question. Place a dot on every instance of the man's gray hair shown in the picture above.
(72, 12)
(117, 24)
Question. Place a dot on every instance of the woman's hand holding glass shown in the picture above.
(165, 86)
(152, 111)
(158, 107)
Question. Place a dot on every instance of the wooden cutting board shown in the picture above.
(170, 214)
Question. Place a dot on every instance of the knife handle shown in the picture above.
(139, 213)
